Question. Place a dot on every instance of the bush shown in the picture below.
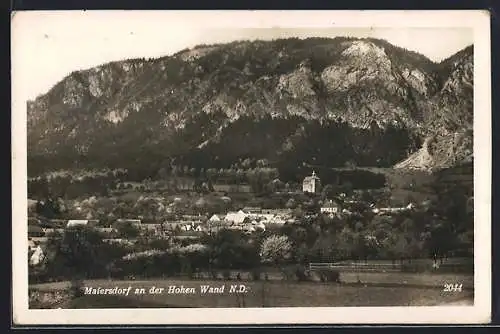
(302, 274)
(329, 276)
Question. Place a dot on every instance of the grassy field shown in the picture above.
(378, 289)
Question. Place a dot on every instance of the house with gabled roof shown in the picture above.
(236, 217)
(330, 207)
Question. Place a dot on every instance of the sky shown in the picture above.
(51, 45)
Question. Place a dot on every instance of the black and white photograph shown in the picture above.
(243, 163)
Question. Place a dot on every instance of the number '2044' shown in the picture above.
(450, 287)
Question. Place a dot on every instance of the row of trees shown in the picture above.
(81, 252)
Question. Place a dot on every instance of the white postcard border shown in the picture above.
(479, 313)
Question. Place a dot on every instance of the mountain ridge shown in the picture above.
(189, 101)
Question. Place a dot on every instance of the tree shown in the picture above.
(322, 248)
(328, 191)
(230, 249)
(78, 252)
(347, 188)
(127, 230)
(275, 249)
(291, 204)
(400, 247)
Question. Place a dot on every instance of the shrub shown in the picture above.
(329, 276)
(302, 274)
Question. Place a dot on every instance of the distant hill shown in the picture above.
(292, 101)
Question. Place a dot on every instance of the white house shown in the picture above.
(311, 184)
(215, 219)
(75, 222)
(330, 207)
(236, 217)
(37, 256)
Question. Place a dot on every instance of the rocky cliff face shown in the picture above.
(194, 99)
(449, 123)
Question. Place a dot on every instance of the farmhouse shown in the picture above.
(330, 207)
(215, 219)
(236, 217)
(311, 184)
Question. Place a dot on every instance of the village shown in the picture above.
(192, 224)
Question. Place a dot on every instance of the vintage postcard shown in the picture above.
(251, 167)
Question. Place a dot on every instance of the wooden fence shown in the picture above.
(356, 267)
(416, 266)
